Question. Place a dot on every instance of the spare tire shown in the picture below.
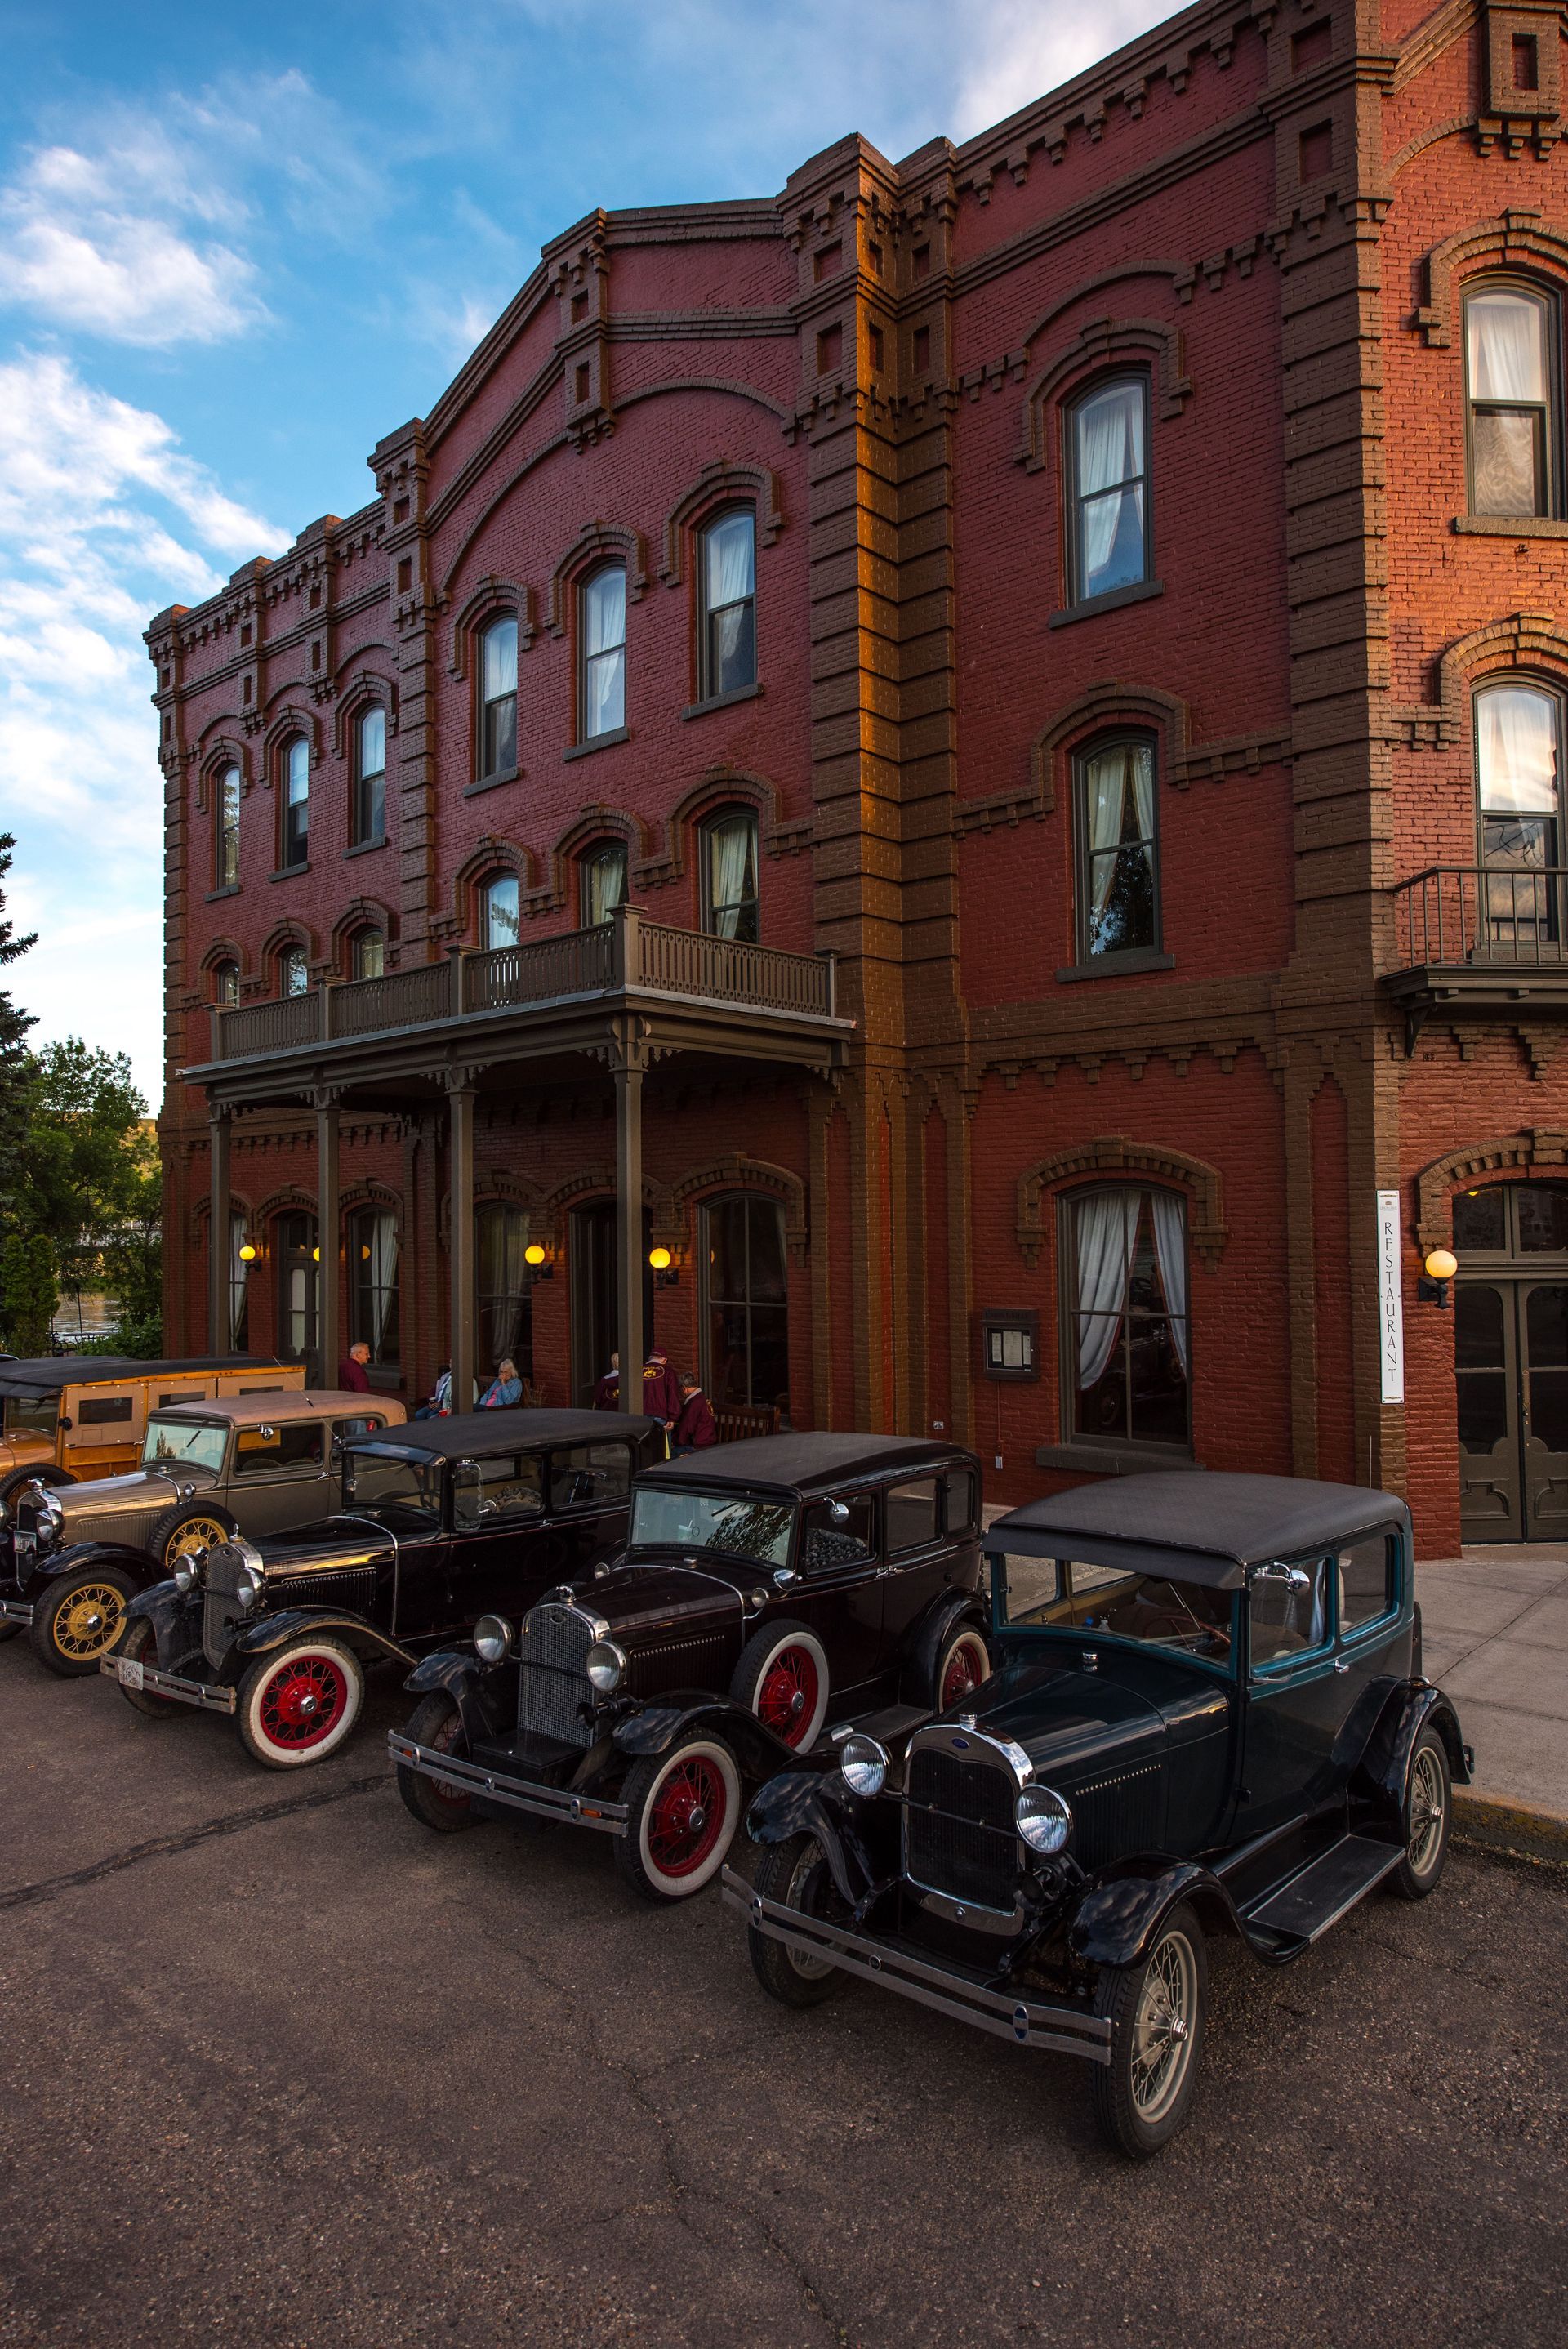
(188, 1526)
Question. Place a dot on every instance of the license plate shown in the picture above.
(129, 1670)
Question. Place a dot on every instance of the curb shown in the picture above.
(1511, 1830)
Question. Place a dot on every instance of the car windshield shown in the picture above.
(1157, 1611)
(731, 1522)
(32, 1415)
(183, 1442)
(372, 1479)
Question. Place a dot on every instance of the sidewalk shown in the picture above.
(1495, 1626)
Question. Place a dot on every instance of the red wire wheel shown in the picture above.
(298, 1707)
(964, 1664)
(682, 1808)
(786, 1701)
(686, 1817)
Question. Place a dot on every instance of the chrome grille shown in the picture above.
(1116, 1815)
(553, 1680)
(220, 1616)
(958, 1832)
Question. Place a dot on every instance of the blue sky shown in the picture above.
(237, 247)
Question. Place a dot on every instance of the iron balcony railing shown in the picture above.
(1496, 913)
(625, 955)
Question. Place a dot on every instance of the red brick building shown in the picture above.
(984, 737)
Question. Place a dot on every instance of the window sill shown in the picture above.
(1118, 966)
(366, 847)
(1113, 1459)
(228, 889)
(1508, 526)
(492, 782)
(290, 872)
(598, 742)
(1111, 602)
(724, 700)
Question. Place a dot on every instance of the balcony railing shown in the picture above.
(625, 955)
(1486, 914)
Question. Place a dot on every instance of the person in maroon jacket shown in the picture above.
(607, 1393)
(696, 1428)
(352, 1375)
(661, 1388)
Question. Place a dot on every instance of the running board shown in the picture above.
(1321, 1893)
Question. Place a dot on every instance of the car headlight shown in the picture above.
(864, 1764)
(49, 1517)
(606, 1666)
(1043, 1818)
(247, 1590)
(492, 1638)
(184, 1572)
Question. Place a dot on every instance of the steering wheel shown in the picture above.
(1189, 1633)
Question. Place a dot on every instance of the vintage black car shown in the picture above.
(441, 1522)
(1208, 1716)
(761, 1587)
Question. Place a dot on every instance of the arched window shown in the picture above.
(1517, 768)
(499, 921)
(1108, 492)
(293, 978)
(498, 698)
(1510, 379)
(745, 1301)
(370, 776)
(369, 953)
(601, 635)
(727, 656)
(295, 843)
(226, 846)
(373, 1313)
(1118, 874)
(1123, 1297)
(604, 881)
(225, 982)
(504, 1320)
(299, 1284)
(729, 909)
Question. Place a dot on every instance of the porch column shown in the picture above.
(328, 1335)
(220, 1315)
(628, 1058)
(460, 1186)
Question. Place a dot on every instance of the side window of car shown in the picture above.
(910, 1515)
(261, 1449)
(958, 1508)
(511, 1486)
(1289, 1622)
(1096, 1590)
(1033, 1589)
(1366, 1581)
(344, 1429)
(589, 1476)
(841, 1532)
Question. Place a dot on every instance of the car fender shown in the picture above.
(655, 1727)
(1385, 1764)
(819, 1805)
(144, 1569)
(1116, 1916)
(478, 1690)
(175, 1616)
(941, 1620)
(261, 1637)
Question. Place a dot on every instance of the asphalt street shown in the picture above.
(279, 2067)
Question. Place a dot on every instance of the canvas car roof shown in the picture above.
(261, 1405)
(47, 1373)
(1199, 1525)
(474, 1434)
(808, 1461)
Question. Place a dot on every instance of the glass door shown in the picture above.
(1486, 1375)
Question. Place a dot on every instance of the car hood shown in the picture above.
(656, 1592)
(1067, 1721)
(337, 1541)
(138, 1488)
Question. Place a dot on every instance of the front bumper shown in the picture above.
(205, 1695)
(529, 1794)
(1026, 2022)
(16, 1611)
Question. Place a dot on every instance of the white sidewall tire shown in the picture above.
(681, 1888)
(819, 1655)
(965, 1635)
(248, 1717)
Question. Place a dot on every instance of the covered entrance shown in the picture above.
(596, 1295)
(1511, 1360)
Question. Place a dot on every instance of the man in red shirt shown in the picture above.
(696, 1428)
(607, 1393)
(352, 1374)
(661, 1388)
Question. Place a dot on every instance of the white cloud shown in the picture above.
(1018, 50)
(103, 519)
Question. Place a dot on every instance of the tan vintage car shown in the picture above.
(70, 1416)
(255, 1464)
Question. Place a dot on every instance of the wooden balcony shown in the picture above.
(1483, 942)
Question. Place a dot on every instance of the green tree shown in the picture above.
(30, 1292)
(14, 1060)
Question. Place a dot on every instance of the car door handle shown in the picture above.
(1340, 1665)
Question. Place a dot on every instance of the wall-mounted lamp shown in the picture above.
(1433, 1288)
(538, 1260)
(666, 1273)
(249, 1252)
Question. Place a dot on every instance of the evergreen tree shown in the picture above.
(29, 1291)
(15, 1061)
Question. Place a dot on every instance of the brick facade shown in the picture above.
(1271, 211)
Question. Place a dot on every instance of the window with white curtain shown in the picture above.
(296, 804)
(729, 909)
(498, 698)
(1125, 1338)
(369, 954)
(503, 1290)
(1510, 366)
(1108, 466)
(604, 881)
(729, 584)
(1517, 768)
(373, 1282)
(370, 776)
(292, 976)
(602, 637)
(226, 982)
(239, 1302)
(499, 918)
(226, 859)
(1119, 873)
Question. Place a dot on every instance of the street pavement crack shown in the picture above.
(48, 1887)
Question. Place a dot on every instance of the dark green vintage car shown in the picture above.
(1208, 1717)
